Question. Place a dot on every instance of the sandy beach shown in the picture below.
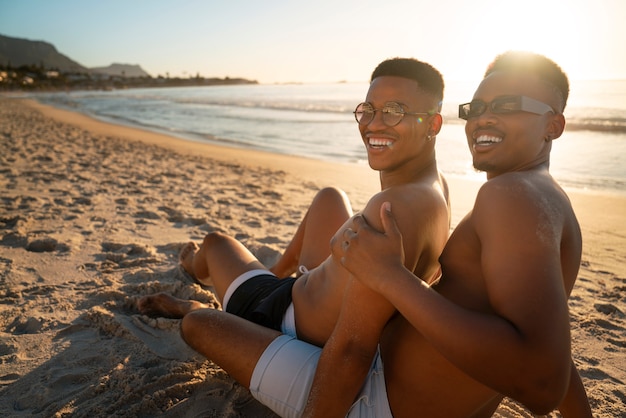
(93, 215)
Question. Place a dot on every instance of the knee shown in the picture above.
(330, 192)
(190, 325)
(186, 325)
(332, 196)
(214, 238)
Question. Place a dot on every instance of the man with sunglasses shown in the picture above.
(398, 123)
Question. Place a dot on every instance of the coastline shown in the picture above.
(360, 182)
(94, 214)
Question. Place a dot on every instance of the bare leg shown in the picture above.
(164, 305)
(310, 246)
(218, 261)
(186, 257)
(233, 343)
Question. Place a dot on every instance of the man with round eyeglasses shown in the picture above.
(398, 123)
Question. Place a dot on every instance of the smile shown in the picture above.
(379, 143)
(487, 140)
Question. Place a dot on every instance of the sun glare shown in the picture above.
(543, 26)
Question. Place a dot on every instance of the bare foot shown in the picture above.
(164, 305)
(186, 257)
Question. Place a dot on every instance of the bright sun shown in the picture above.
(552, 28)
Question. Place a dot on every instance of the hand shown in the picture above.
(371, 256)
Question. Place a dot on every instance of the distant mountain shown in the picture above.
(125, 70)
(18, 52)
(38, 57)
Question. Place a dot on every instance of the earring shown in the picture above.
(429, 138)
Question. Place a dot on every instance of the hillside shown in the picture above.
(123, 70)
(37, 65)
(18, 52)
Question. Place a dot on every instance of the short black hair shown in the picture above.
(428, 78)
(534, 64)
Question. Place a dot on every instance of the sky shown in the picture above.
(281, 41)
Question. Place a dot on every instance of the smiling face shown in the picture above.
(516, 141)
(390, 147)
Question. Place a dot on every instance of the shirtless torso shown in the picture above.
(407, 354)
(317, 295)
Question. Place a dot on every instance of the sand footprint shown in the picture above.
(130, 255)
(46, 244)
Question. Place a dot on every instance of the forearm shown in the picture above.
(336, 384)
(348, 353)
(485, 346)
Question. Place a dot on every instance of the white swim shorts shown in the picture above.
(284, 374)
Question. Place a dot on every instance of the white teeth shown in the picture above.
(486, 139)
(380, 142)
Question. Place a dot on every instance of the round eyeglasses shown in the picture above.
(392, 113)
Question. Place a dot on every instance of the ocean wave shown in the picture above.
(317, 122)
(248, 104)
(606, 125)
(597, 125)
(308, 107)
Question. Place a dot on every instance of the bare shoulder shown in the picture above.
(412, 202)
(525, 207)
(429, 195)
(421, 212)
(536, 192)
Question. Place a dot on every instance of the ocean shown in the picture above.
(316, 121)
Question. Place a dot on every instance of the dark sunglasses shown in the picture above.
(392, 113)
(502, 106)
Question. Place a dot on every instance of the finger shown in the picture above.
(390, 225)
(358, 222)
(350, 234)
(334, 244)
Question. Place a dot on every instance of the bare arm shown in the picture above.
(348, 354)
(522, 348)
(354, 340)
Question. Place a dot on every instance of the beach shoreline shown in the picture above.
(93, 215)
